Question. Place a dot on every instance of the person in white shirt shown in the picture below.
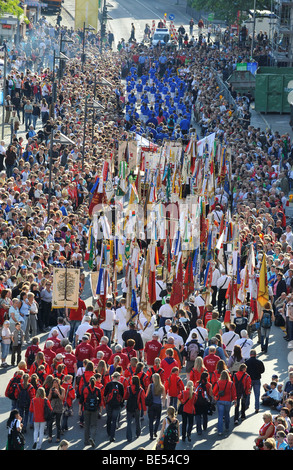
(218, 214)
(160, 286)
(229, 338)
(62, 327)
(165, 312)
(82, 329)
(202, 333)
(108, 324)
(178, 340)
(222, 285)
(147, 327)
(121, 318)
(199, 302)
(215, 277)
(245, 343)
(289, 236)
(163, 330)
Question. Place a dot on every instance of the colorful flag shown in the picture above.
(263, 288)
(177, 288)
(188, 280)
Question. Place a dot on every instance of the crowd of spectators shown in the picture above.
(159, 84)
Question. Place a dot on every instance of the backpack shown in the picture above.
(164, 339)
(85, 384)
(201, 396)
(23, 399)
(114, 398)
(132, 402)
(171, 433)
(266, 321)
(239, 386)
(31, 358)
(11, 388)
(16, 440)
(92, 400)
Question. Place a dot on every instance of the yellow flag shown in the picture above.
(263, 289)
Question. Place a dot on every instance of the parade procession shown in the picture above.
(162, 219)
(146, 245)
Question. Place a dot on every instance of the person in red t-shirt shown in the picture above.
(131, 369)
(224, 392)
(96, 333)
(37, 410)
(208, 314)
(83, 351)
(168, 363)
(211, 360)
(55, 340)
(156, 369)
(75, 317)
(186, 397)
(173, 386)
(124, 358)
(70, 396)
(48, 352)
(152, 349)
(31, 351)
(129, 349)
(70, 360)
(103, 346)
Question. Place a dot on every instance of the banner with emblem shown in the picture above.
(65, 287)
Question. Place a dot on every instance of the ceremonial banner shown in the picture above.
(94, 282)
(65, 287)
(132, 155)
(263, 290)
(121, 150)
(177, 288)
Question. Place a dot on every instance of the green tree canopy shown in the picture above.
(11, 7)
(228, 10)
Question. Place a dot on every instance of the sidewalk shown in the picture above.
(273, 121)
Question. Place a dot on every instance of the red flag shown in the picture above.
(152, 287)
(177, 288)
(101, 311)
(98, 198)
(227, 317)
(188, 287)
(253, 306)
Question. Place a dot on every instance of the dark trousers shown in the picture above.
(201, 420)
(222, 302)
(16, 352)
(57, 419)
(187, 423)
(112, 418)
(240, 407)
(90, 425)
(44, 314)
(130, 415)
(154, 414)
(214, 295)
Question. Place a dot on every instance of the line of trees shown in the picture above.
(11, 7)
(228, 11)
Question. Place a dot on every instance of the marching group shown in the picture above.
(80, 363)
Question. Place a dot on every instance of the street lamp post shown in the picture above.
(62, 41)
(4, 87)
(253, 30)
(88, 28)
(64, 140)
(94, 106)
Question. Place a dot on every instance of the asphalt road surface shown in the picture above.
(276, 360)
